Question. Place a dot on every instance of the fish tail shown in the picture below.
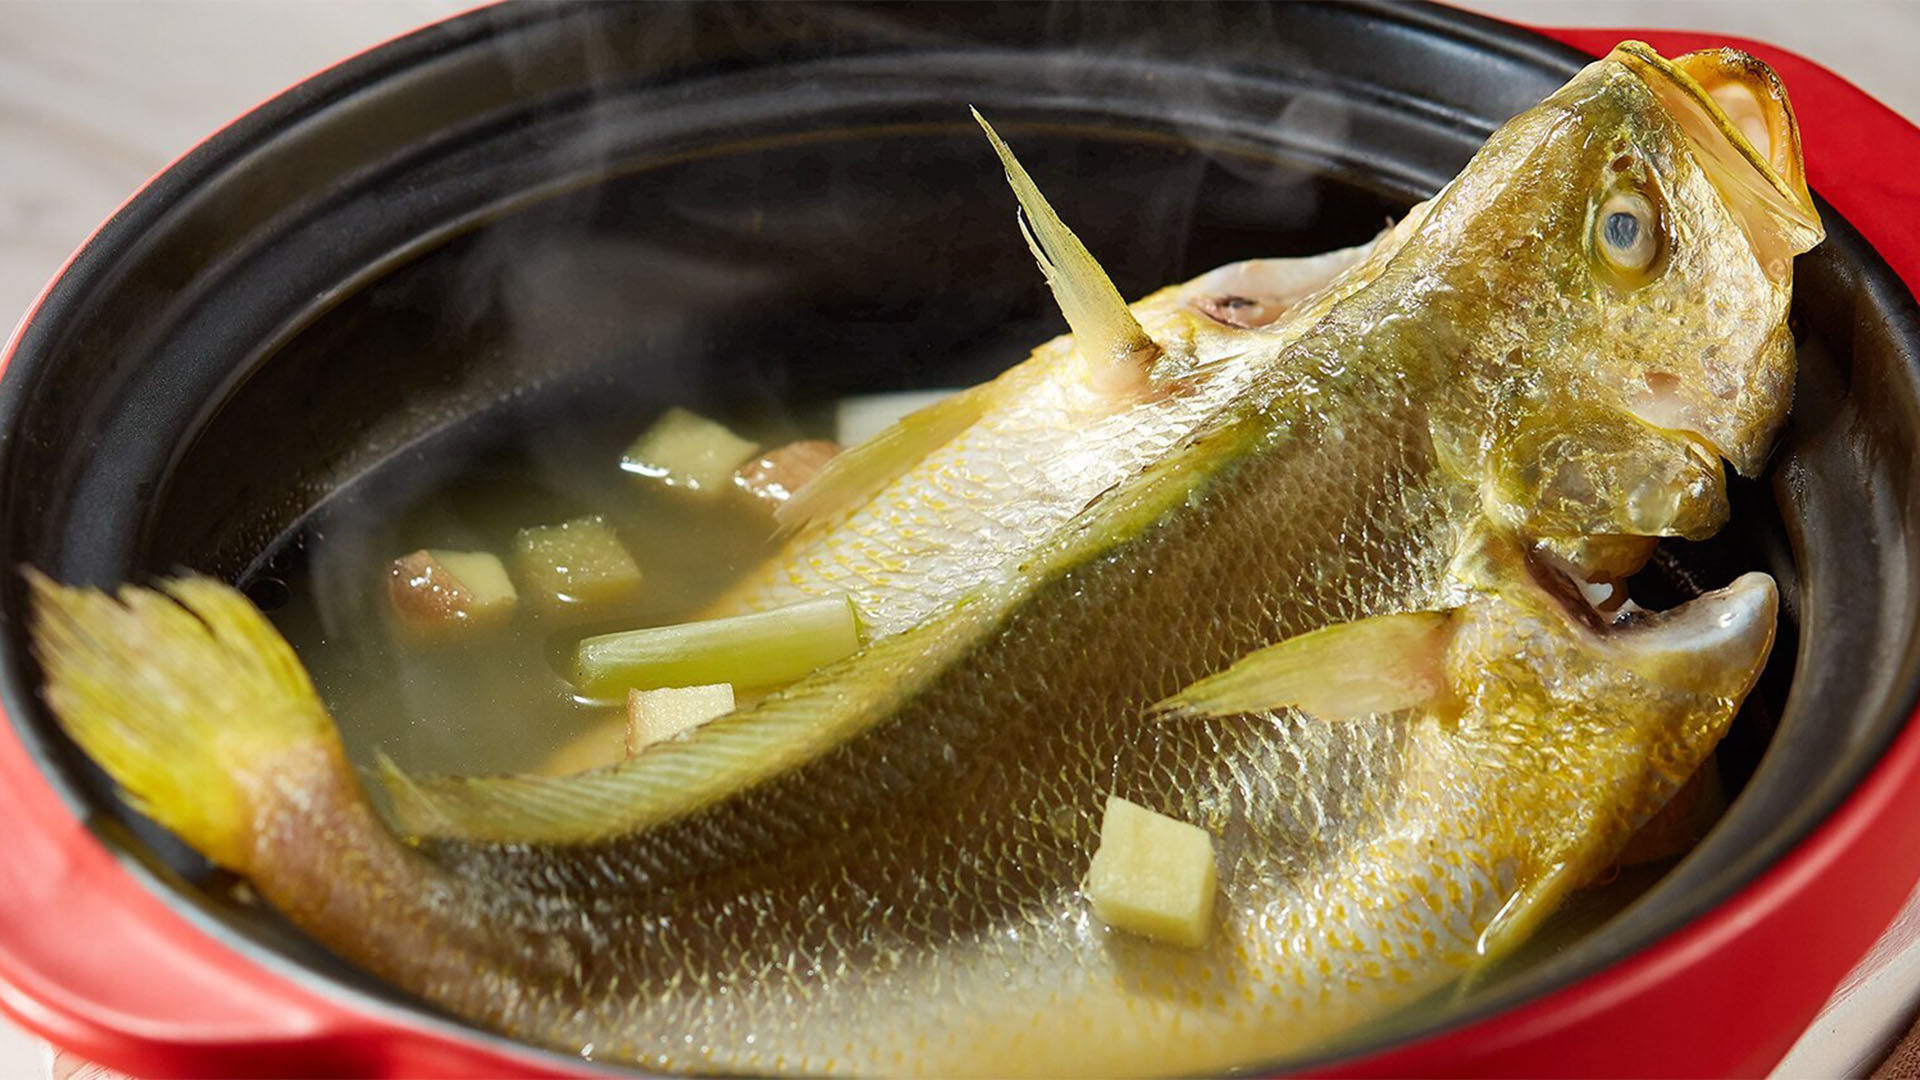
(184, 694)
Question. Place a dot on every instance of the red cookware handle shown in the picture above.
(95, 961)
(97, 964)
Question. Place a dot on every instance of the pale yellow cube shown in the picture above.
(653, 715)
(688, 451)
(576, 564)
(1153, 875)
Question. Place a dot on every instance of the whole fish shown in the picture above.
(1341, 622)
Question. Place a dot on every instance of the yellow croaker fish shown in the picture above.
(1317, 583)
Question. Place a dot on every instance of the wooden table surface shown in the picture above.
(97, 95)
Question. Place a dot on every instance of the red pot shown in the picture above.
(170, 344)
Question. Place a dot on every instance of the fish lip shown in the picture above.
(1678, 85)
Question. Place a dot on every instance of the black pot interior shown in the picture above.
(512, 239)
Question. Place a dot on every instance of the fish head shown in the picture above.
(1690, 238)
(1623, 254)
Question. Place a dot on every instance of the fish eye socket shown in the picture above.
(1626, 233)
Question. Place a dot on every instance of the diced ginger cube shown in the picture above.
(576, 564)
(688, 451)
(434, 591)
(656, 715)
(1153, 875)
(773, 477)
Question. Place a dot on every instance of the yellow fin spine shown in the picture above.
(859, 472)
(1104, 329)
(1378, 665)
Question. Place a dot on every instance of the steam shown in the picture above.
(838, 214)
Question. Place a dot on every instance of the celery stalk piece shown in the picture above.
(657, 715)
(761, 649)
(575, 564)
(688, 451)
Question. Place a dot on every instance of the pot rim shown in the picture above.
(270, 1011)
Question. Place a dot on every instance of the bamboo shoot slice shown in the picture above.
(576, 564)
(1153, 875)
(657, 715)
(687, 451)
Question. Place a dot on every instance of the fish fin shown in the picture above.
(1681, 821)
(499, 809)
(705, 767)
(180, 694)
(860, 471)
(1105, 331)
(411, 807)
(1522, 914)
(1340, 672)
(1515, 923)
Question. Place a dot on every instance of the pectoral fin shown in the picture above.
(1516, 921)
(1347, 671)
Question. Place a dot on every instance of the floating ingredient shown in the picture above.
(772, 478)
(688, 452)
(764, 649)
(577, 565)
(658, 715)
(436, 592)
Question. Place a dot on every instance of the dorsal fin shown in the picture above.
(1104, 330)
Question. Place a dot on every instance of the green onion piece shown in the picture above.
(762, 649)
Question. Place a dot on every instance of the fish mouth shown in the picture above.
(1731, 620)
(1735, 114)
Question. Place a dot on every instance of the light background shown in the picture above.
(96, 96)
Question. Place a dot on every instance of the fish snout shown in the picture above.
(1734, 113)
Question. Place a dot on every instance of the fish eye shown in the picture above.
(1626, 233)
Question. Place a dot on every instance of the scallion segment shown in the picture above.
(757, 650)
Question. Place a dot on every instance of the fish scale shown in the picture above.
(742, 908)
